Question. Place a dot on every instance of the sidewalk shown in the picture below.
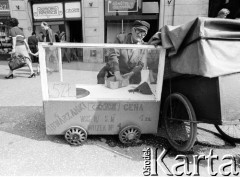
(21, 90)
(24, 91)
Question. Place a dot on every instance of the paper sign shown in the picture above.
(122, 5)
(61, 90)
(48, 11)
(73, 10)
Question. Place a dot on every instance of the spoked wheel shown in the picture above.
(229, 132)
(179, 117)
(76, 136)
(129, 134)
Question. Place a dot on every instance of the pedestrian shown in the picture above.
(51, 53)
(33, 45)
(41, 37)
(127, 63)
(223, 13)
(57, 38)
(66, 52)
(19, 46)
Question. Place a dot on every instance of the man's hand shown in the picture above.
(118, 76)
(127, 75)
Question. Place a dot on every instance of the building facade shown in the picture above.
(99, 21)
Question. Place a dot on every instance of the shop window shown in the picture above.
(120, 14)
(5, 40)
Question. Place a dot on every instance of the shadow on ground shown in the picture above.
(29, 122)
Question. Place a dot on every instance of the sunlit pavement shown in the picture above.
(25, 149)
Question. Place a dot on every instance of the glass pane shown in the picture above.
(102, 73)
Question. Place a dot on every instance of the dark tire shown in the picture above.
(130, 134)
(179, 117)
(229, 132)
(76, 135)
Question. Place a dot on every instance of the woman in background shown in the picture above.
(19, 46)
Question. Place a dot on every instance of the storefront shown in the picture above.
(95, 21)
(62, 16)
(5, 41)
(119, 16)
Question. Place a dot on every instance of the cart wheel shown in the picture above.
(178, 115)
(129, 134)
(229, 132)
(76, 135)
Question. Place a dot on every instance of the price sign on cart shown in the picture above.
(61, 90)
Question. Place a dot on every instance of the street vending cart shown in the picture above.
(205, 82)
(76, 106)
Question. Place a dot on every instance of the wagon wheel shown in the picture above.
(229, 132)
(76, 135)
(179, 117)
(129, 134)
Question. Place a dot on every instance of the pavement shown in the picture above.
(25, 149)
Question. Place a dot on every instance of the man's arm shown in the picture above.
(113, 59)
(50, 33)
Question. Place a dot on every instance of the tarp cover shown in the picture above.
(208, 47)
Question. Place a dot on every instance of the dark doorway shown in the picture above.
(75, 31)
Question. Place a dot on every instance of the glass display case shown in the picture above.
(76, 105)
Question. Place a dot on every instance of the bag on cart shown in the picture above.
(17, 61)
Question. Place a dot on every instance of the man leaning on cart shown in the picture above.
(127, 63)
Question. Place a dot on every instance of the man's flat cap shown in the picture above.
(141, 24)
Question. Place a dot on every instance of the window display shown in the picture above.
(5, 40)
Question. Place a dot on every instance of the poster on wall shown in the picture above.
(122, 5)
(48, 11)
(72, 10)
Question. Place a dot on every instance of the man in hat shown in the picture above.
(127, 63)
(223, 13)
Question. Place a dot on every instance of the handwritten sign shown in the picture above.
(61, 90)
(73, 10)
(48, 11)
(122, 5)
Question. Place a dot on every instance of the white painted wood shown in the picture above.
(161, 67)
(101, 92)
(60, 63)
(99, 45)
(101, 117)
(43, 71)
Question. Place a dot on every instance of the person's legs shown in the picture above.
(22, 50)
(29, 63)
(10, 74)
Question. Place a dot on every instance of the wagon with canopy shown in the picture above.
(203, 79)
